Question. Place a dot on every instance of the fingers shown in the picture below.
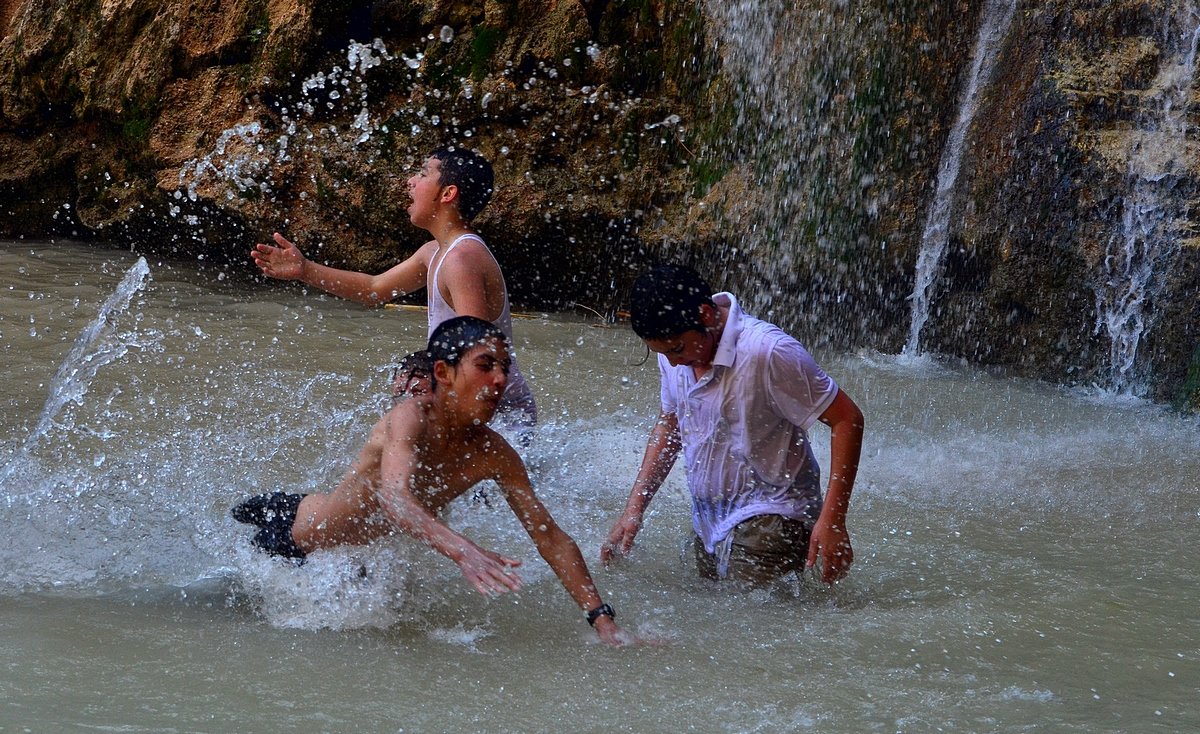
(261, 254)
(503, 560)
(497, 579)
(619, 543)
(835, 564)
(283, 242)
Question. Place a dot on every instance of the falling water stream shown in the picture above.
(994, 23)
(1138, 254)
(1026, 555)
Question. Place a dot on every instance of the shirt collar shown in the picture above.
(727, 347)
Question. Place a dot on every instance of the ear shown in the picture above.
(442, 371)
(449, 194)
(708, 315)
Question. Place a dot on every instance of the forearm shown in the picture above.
(412, 519)
(661, 451)
(845, 451)
(564, 557)
(346, 284)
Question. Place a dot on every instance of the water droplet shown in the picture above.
(446, 34)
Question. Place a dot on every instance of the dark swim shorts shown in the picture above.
(764, 549)
(274, 514)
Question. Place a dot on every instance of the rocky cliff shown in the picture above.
(789, 149)
(197, 128)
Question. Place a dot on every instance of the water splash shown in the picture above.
(243, 155)
(94, 348)
(334, 130)
(996, 19)
(1136, 256)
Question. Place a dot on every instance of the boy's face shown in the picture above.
(693, 348)
(426, 191)
(479, 378)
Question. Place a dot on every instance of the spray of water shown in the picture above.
(94, 348)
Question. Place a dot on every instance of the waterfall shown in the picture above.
(1137, 254)
(997, 17)
(91, 351)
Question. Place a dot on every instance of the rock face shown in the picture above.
(1086, 162)
(160, 124)
(788, 149)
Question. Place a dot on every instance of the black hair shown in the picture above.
(665, 302)
(418, 361)
(454, 337)
(471, 173)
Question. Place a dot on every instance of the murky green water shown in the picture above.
(1026, 555)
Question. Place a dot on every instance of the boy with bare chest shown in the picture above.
(422, 454)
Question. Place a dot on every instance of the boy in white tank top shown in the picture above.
(459, 272)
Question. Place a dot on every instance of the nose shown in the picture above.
(499, 378)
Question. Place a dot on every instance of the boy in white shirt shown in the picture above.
(738, 397)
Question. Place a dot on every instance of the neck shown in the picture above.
(712, 333)
(455, 424)
(449, 228)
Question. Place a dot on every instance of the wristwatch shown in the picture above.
(600, 611)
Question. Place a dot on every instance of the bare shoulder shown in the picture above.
(498, 455)
(426, 251)
(407, 421)
(470, 255)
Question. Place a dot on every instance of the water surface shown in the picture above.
(1026, 554)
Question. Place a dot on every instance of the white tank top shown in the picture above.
(518, 397)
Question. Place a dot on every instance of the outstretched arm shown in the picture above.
(555, 546)
(661, 450)
(284, 261)
(830, 540)
(490, 573)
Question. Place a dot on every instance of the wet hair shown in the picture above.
(455, 337)
(418, 362)
(471, 173)
(665, 302)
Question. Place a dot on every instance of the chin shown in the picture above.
(485, 414)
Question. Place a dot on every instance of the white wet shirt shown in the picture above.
(744, 426)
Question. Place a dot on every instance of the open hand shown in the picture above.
(832, 545)
(284, 262)
(490, 573)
